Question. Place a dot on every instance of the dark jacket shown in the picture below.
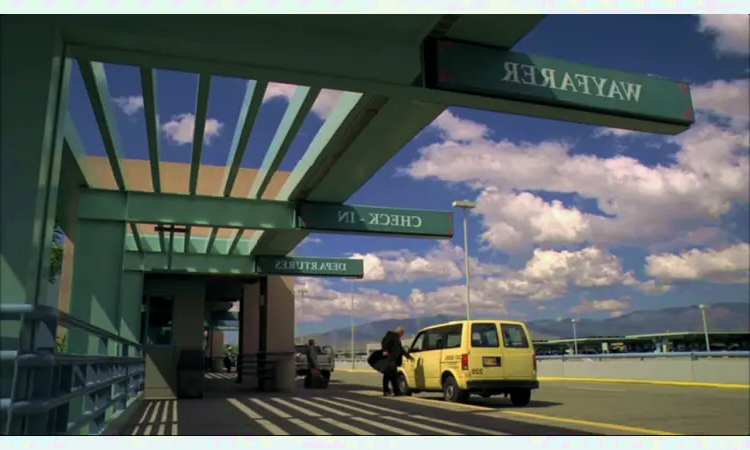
(391, 343)
(312, 357)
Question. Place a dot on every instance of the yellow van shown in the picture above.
(484, 357)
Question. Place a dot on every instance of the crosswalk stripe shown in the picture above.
(273, 429)
(463, 427)
(244, 409)
(311, 428)
(323, 407)
(385, 427)
(271, 408)
(347, 427)
(297, 408)
(353, 408)
(174, 418)
(379, 408)
(152, 419)
(415, 424)
(164, 416)
(142, 419)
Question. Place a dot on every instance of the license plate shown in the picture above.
(489, 362)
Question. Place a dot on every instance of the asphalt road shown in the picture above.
(610, 409)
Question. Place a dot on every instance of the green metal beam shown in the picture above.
(95, 80)
(245, 122)
(180, 209)
(190, 263)
(296, 113)
(72, 143)
(404, 90)
(201, 109)
(260, 214)
(243, 265)
(148, 85)
(251, 104)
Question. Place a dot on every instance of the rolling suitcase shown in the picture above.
(314, 380)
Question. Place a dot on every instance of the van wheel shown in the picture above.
(451, 392)
(403, 385)
(521, 397)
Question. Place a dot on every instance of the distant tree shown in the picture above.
(56, 253)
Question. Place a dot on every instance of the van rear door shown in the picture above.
(518, 352)
(486, 361)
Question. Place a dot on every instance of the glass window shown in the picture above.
(418, 343)
(433, 339)
(160, 317)
(514, 336)
(484, 335)
(453, 336)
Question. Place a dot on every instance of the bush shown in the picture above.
(60, 343)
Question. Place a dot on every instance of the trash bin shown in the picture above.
(190, 374)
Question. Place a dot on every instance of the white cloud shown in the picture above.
(600, 305)
(729, 99)
(180, 129)
(730, 264)
(324, 104)
(310, 240)
(547, 275)
(731, 32)
(446, 261)
(643, 204)
(453, 128)
(616, 314)
(320, 301)
(129, 105)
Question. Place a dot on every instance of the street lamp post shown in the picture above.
(351, 322)
(705, 326)
(575, 336)
(466, 206)
(301, 291)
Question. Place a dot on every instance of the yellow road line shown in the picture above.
(611, 426)
(652, 382)
(610, 380)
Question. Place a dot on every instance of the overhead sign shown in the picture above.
(488, 71)
(314, 267)
(369, 219)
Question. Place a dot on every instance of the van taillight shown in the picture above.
(464, 362)
(534, 363)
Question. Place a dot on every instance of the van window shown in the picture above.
(484, 335)
(418, 343)
(453, 336)
(433, 339)
(514, 336)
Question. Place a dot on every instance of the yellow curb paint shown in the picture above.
(651, 382)
(613, 380)
(587, 423)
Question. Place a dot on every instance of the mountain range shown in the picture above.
(720, 317)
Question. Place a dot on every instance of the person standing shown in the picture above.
(313, 370)
(394, 353)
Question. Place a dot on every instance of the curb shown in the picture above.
(612, 380)
(651, 382)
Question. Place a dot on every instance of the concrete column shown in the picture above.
(281, 334)
(33, 91)
(250, 323)
(217, 350)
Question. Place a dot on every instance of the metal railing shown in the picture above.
(54, 393)
(261, 366)
(642, 356)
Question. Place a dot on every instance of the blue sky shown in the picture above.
(572, 220)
